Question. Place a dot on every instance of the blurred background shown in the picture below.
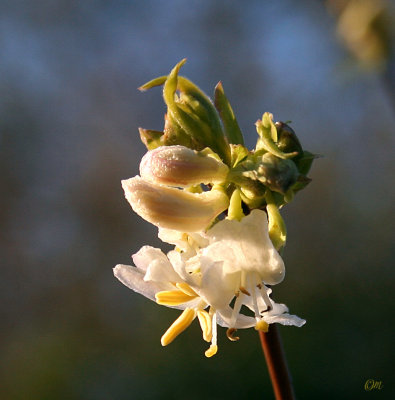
(69, 113)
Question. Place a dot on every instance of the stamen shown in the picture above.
(229, 334)
(178, 326)
(172, 297)
(236, 309)
(213, 348)
(265, 298)
(255, 305)
(258, 279)
(214, 326)
(211, 351)
(184, 287)
(205, 324)
(243, 281)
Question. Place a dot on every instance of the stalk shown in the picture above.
(276, 363)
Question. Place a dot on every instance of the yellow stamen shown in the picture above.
(178, 326)
(262, 326)
(211, 351)
(184, 287)
(205, 324)
(172, 297)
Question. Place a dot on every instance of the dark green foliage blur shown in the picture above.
(69, 118)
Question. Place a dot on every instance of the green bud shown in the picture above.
(287, 140)
(269, 137)
(276, 173)
(277, 228)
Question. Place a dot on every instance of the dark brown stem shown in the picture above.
(277, 364)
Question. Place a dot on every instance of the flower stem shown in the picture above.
(277, 364)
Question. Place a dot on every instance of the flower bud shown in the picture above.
(173, 208)
(287, 140)
(276, 173)
(182, 167)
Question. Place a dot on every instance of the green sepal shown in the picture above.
(175, 135)
(229, 121)
(238, 154)
(300, 183)
(305, 161)
(152, 83)
(151, 139)
(195, 114)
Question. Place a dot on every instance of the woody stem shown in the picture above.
(277, 364)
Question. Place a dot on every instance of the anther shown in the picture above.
(173, 297)
(244, 290)
(178, 326)
(211, 351)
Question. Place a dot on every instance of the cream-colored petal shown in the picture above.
(246, 246)
(133, 278)
(181, 167)
(173, 208)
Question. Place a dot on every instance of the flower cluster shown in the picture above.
(218, 204)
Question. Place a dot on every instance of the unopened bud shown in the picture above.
(287, 140)
(173, 208)
(181, 167)
(276, 173)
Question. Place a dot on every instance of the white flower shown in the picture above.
(207, 271)
(165, 280)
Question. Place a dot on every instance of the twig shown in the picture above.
(277, 364)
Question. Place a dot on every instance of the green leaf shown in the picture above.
(194, 113)
(232, 129)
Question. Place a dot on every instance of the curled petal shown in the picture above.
(180, 166)
(285, 319)
(173, 208)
